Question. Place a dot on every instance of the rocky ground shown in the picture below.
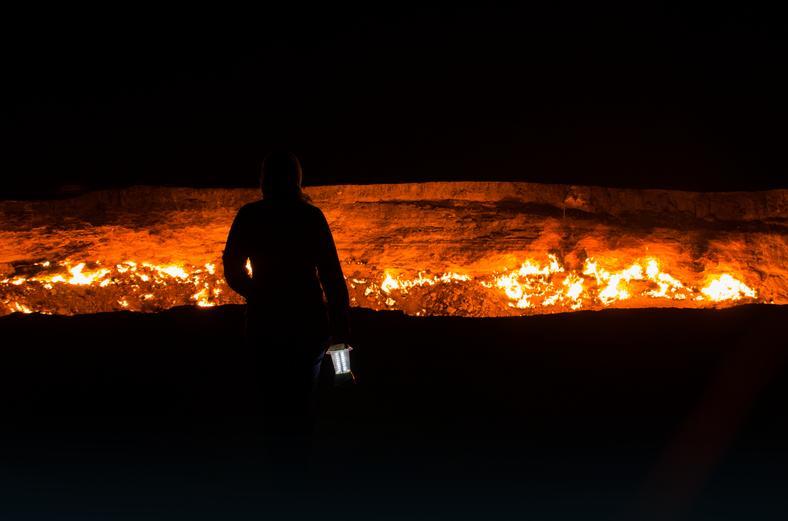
(477, 230)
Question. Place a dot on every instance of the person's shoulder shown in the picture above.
(254, 204)
(249, 208)
(312, 210)
(247, 213)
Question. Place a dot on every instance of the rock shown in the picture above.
(479, 230)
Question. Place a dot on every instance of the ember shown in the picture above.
(471, 249)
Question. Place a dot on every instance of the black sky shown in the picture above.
(647, 97)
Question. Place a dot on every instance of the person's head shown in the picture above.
(280, 176)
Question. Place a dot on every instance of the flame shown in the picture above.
(21, 308)
(530, 280)
(79, 278)
(202, 298)
(468, 249)
(574, 288)
(391, 282)
(725, 287)
(535, 286)
(172, 270)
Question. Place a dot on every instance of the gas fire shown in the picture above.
(532, 288)
(444, 249)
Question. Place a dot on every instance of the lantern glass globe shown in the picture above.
(340, 357)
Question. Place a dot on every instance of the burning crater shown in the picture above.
(470, 249)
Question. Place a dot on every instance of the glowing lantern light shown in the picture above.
(340, 358)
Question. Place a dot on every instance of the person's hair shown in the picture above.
(280, 177)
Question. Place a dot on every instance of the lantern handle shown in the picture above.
(339, 347)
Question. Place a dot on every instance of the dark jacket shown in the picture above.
(297, 287)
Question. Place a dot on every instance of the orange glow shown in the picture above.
(533, 287)
(724, 287)
(465, 249)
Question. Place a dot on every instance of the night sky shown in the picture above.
(654, 97)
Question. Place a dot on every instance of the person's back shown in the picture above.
(296, 286)
(293, 262)
(297, 300)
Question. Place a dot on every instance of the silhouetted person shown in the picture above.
(297, 300)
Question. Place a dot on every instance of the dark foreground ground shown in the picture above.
(631, 414)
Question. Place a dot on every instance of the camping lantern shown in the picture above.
(340, 357)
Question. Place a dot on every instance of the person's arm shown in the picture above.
(330, 273)
(234, 259)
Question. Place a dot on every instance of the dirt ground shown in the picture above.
(617, 414)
